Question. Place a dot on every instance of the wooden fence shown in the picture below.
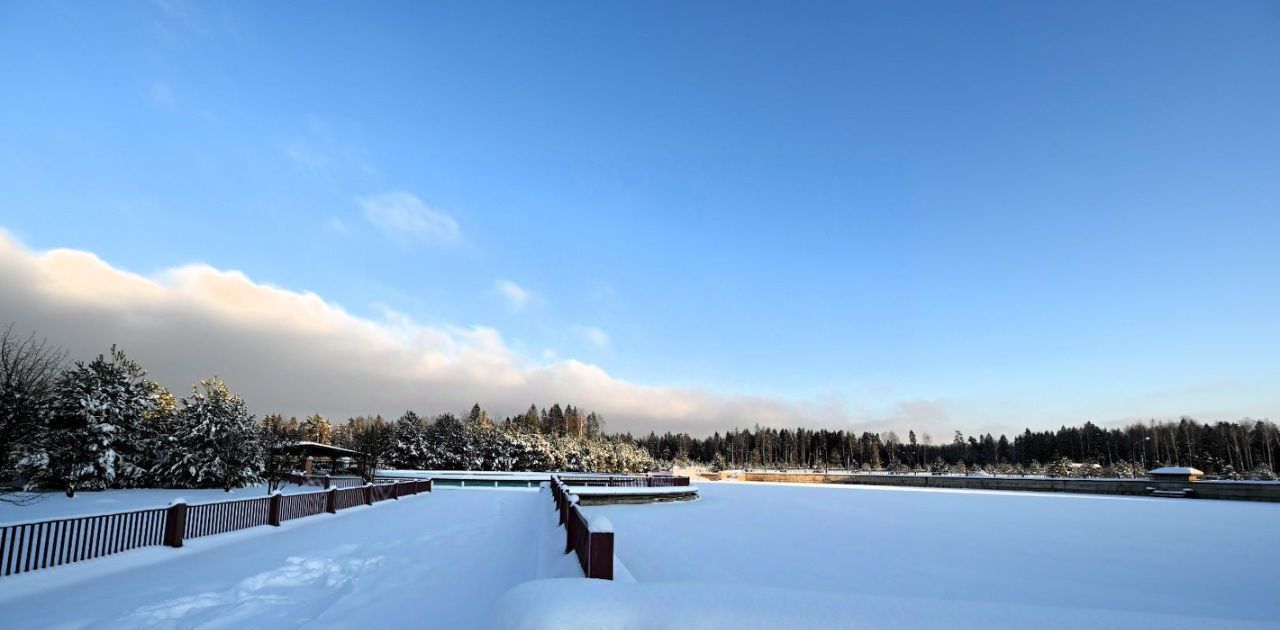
(625, 481)
(38, 545)
(41, 544)
(594, 548)
(324, 481)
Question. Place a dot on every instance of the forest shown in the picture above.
(105, 424)
(1235, 450)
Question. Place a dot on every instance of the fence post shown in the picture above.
(327, 482)
(331, 501)
(273, 510)
(600, 555)
(175, 523)
(395, 490)
(368, 494)
(429, 484)
(568, 532)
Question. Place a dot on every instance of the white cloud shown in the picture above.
(404, 217)
(516, 295)
(295, 353)
(307, 157)
(162, 94)
(594, 336)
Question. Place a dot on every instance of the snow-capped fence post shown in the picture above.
(368, 494)
(273, 510)
(175, 523)
(600, 555)
(328, 483)
(331, 501)
(395, 490)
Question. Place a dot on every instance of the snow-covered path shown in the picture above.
(437, 560)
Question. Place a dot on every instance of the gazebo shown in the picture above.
(328, 457)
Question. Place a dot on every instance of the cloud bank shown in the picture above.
(295, 353)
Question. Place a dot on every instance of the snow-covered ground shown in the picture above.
(48, 505)
(1111, 560)
(744, 555)
(438, 560)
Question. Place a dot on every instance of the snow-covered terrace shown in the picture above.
(756, 555)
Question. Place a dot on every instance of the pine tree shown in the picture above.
(29, 371)
(412, 442)
(217, 443)
(95, 438)
(277, 436)
(1060, 467)
(316, 428)
(532, 421)
(479, 418)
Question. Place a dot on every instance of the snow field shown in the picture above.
(1209, 563)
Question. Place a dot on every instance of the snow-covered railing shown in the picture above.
(220, 517)
(592, 539)
(40, 544)
(33, 545)
(627, 481)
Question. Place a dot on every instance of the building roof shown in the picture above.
(315, 448)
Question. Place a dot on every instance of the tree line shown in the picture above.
(105, 424)
(556, 438)
(1247, 448)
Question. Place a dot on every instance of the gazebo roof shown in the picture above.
(318, 449)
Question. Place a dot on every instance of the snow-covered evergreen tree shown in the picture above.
(29, 369)
(412, 445)
(97, 435)
(1060, 467)
(1121, 470)
(216, 441)
(451, 447)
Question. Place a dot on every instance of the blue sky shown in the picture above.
(1019, 213)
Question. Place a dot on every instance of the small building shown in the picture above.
(315, 458)
(1178, 474)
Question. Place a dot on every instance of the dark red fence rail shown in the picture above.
(349, 498)
(594, 548)
(626, 481)
(384, 491)
(206, 519)
(299, 505)
(38, 545)
(42, 544)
